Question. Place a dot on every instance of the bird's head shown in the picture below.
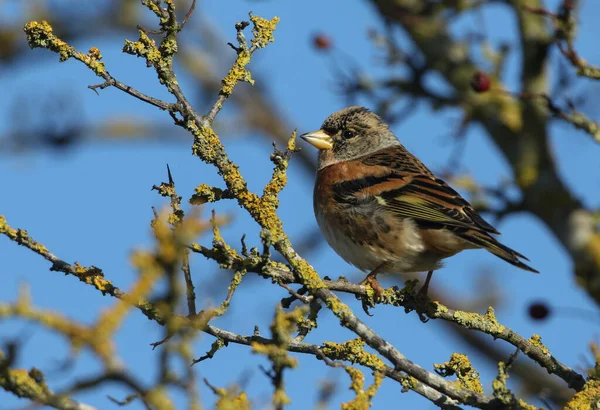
(348, 134)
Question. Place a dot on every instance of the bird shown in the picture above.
(382, 210)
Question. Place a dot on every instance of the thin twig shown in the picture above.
(188, 14)
(113, 82)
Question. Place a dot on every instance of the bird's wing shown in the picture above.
(404, 187)
(431, 202)
(410, 190)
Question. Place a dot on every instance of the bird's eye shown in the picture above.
(347, 134)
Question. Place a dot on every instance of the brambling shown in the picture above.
(382, 210)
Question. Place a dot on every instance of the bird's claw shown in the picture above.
(366, 307)
(422, 301)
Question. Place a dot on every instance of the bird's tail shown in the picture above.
(486, 241)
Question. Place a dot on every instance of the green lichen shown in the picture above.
(352, 351)
(536, 340)
(460, 365)
(408, 383)
(168, 46)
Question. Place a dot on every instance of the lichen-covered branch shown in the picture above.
(565, 27)
(173, 239)
(30, 384)
(406, 298)
(41, 35)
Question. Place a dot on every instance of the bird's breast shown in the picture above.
(364, 234)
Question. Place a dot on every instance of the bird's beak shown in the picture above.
(318, 139)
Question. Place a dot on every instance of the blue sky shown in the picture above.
(93, 204)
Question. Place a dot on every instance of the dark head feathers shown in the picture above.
(356, 115)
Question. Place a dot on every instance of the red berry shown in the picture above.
(539, 311)
(480, 82)
(568, 5)
(322, 41)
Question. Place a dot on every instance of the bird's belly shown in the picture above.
(367, 242)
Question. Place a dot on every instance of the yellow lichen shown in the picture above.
(588, 398)
(280, 399)
(362, 401)
(41, 35)
(339, 308)
(284, 323)
(145, 47)
(263, 34)
(526, 406)
(504, 106)
(352, 351)
(487, 323)
(159, 399)
(527, 174)
(78, 335)
(439, 308)
(111, 319)
(503, 394)
(263, 30)
(232, 401)
(205, 193)
(237, 73)
(460, 365)
(20, 382)
(536, 340)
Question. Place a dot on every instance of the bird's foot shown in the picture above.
(378, 290)
(371, 280)
(422, 300)
(421, 306)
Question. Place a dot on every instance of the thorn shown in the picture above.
(171, 183)
(244, 247)
(236, 49)
(512, 358)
